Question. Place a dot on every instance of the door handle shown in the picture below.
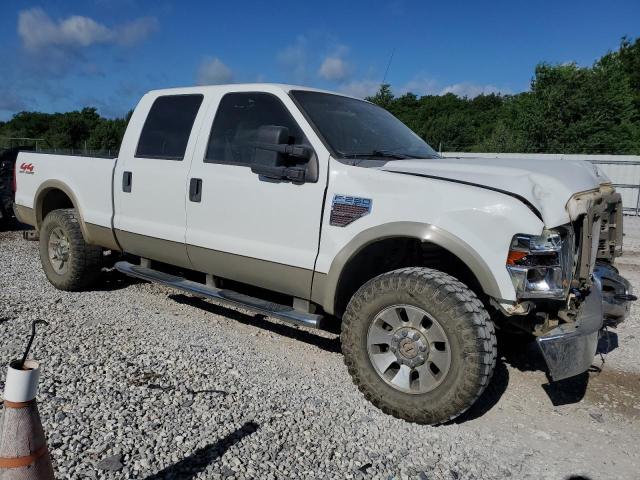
(195, 189)
(126, 181)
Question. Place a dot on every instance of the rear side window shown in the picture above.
(168, 126)
(238, 119)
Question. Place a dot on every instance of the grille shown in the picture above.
(343, 215)
(600, 234)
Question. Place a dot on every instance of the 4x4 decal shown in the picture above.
(346, 210)
(26, 168)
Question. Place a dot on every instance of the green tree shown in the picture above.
(383, 97)
(569, 109)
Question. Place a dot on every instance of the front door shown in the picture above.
(150, 181)
(245, 227)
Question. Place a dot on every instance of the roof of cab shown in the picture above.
(237, 87)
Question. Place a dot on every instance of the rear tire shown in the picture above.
(419, 345)
(68, 261)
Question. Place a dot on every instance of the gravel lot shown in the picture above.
(143, 382)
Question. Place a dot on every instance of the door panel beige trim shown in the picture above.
(101, 236)
(166, 251)
(253, 271)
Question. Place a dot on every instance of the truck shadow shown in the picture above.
(329, 344)
(12, 225)
(574, 389)
(525, 356)
(523, 353)
(196, 463)
(111, 280)
(490, 397)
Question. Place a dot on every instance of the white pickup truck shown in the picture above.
(320, 209)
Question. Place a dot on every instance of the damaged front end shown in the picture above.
(569, 348)
(567, 280)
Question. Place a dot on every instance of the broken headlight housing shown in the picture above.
(541, 266)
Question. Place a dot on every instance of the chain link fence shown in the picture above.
(40, 145)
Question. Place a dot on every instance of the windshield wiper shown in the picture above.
(378, 154)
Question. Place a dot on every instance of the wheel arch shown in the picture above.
(332, 289)
(54, 195)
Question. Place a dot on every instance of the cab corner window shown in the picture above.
(168, 126)
(239, 119)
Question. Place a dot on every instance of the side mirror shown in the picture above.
(294, 174)
(272, 147)
(268, 142)
(272, 158)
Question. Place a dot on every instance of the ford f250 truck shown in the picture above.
(320, 209)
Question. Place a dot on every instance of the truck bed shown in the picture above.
(87, 181)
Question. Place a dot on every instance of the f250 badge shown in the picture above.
(26, 168)
(346, 209)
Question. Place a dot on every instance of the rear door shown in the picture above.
(150, 181)
(245, 227)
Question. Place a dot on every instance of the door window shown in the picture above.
(168, 126)
(235, 128)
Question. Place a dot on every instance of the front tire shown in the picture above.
(68, 261)
(418, 344)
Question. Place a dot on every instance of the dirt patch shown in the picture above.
(615, 391)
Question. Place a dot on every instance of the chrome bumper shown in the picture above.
(569, 349)
(617, 294)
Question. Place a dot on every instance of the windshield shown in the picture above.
(358, 129)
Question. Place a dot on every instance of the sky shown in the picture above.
(65, 55)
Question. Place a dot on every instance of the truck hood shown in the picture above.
(545, 184)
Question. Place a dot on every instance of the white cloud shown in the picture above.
(38, 31)
(360, 88)
(334, 68)
(471, 90)
(213, 72)
(420, 86)
(137, 30)
(294, 59)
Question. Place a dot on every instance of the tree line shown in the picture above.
(77, 130)
(568, 109)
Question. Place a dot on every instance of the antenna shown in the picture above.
(388, 65)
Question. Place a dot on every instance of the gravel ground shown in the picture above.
(143, 382)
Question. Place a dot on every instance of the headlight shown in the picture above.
(541, 266)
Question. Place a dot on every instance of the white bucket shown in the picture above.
(22, 385)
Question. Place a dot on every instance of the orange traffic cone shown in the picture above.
(23, 448)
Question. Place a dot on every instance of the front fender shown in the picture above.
(325, 286)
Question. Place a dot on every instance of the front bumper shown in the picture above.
(569, 348)
(617, 294)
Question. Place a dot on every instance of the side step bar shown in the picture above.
(282, 312)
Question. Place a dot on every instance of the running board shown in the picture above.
(229, 297)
